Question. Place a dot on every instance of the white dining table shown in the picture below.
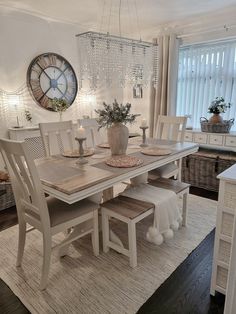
(70, 182)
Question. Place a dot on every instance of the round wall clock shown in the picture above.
(51, 76)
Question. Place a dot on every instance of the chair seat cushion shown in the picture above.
(61, 212)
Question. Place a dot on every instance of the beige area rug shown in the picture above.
(82, 283)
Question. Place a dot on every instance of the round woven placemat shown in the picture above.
(155, 151)
(124, 161)
(76, 154)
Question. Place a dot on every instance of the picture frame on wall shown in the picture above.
(138, 91)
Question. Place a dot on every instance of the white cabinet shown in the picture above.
(225, 141)
(226, 211)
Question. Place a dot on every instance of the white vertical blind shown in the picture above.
(205, 72)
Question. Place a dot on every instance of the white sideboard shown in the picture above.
(226, 211)
(226, 141)
(32, 136)
(19, 134)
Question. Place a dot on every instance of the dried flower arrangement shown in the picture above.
(115, 113)
(218, 105)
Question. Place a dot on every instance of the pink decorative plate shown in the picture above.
(75, 153)
(154, 151)
(104, 145)
(124, 161)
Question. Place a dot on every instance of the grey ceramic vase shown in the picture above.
(118, 135)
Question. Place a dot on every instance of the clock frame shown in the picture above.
(49, 76)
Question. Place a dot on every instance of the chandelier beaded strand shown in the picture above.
(115, 60)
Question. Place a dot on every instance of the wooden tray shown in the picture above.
(124, 161)
(76, 154)
(156, 151)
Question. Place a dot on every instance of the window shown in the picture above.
(205, 72)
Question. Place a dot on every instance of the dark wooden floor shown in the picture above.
(186, 291)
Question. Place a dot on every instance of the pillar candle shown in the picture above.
(81, 132)
(143, 123)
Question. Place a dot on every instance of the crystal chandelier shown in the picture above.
(112, 60)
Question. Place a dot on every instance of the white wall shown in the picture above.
(138, 105)
(22, 38)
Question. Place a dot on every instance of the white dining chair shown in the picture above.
(94, 136)
(172, 129)
(57, 137)
(48, 215)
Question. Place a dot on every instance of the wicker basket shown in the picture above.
(223, 127)
(6, 200)
(201, 169)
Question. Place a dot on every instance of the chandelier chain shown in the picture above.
(131, 26)
(136, 12)
(103, 14)
(109, 19)
(119, 18)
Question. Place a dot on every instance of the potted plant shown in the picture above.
(218, 106)
(28, 116)
(114, 117)
(59, 105)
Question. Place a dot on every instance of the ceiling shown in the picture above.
(91, 15)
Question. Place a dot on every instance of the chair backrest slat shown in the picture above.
(57, 137)
(171, 128)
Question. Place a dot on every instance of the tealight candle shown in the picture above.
(81, 132)
(143, 123)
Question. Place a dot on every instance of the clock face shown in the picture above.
(51, 76)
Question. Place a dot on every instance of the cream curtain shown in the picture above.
(163, 97)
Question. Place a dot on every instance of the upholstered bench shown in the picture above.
(130, 211)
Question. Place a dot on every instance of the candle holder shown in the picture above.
(144, 128)
(81, 159)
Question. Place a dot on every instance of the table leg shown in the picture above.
(108, 194)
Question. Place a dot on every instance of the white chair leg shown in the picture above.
(105, 230)
(179, 175)
(47, 247)
(21, 242)
(132, 244)
(95, 234)
(185, 209)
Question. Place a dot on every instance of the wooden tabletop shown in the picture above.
(65, 179)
